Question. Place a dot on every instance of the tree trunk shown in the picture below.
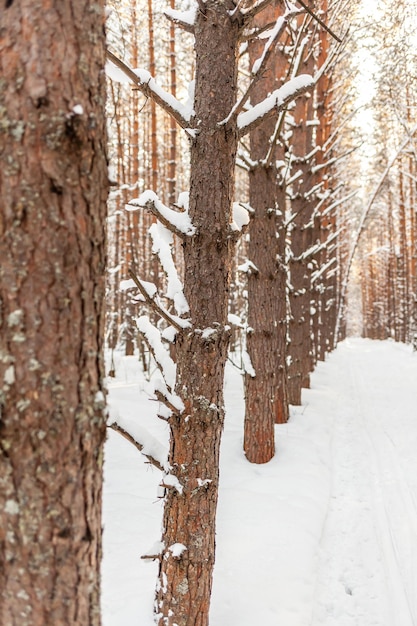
(326, 291)
(185, 581)
(301, 240)
(266, 392)
(52, 254)
(172, 160)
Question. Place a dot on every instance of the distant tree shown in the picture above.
(301, 204)
(53, 182)
(266, 383)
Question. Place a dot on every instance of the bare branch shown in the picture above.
(115, 426)
(319, 21)
(259, 6)
(150, 89)
(152, 557)
(255, 32)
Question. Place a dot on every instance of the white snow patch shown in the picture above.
(235, 320)
(180, 220)
(162, 240)
(208, 332)
(177, 549)
(276, 99)
(241, 216)
(12, 507)
(247, 267)
(169, 480)
(9, 375)
(205, 482)
(186, 17)
(323, 534)
(163, 359)
(247, 364)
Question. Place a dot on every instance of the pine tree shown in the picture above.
(53, 183)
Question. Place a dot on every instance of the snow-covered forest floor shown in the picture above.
(323, 535)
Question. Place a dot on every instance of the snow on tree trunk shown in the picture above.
(300, 294)
(52, 213)
(185, 580)
(266, 392)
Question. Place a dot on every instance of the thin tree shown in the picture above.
(266, 379)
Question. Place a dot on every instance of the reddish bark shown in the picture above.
(183, 594)
(302, 204)
(52, 213)
(266, 392)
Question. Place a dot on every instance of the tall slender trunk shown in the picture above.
(301, 240)
(326, 292)
(266, 392)
(185, 580)
(154, 138)
(403, 278)
(172, 165)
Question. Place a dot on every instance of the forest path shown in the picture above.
(325, 534)
(367, 574)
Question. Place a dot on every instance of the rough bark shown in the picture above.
(53, 183)
(326, 290)
(185, 581)
(172, 159)
(266, 392)
(301, 240)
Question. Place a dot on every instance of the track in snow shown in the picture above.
(367, 573)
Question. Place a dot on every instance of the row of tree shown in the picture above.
(263, 83)
(387, 253)
(256, 124)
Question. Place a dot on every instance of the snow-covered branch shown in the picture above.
(241, 217)
(316, 248)
(150, 88)
(177, 322)
(332, 161)
(260, 64)
(177, 222)
(316, 275)
(256, 8)
(338, 202)
(139, 446)
(153, 340)
(253, 33)
(183, 19)
(275, 33)
(276, 102)
(162, 240)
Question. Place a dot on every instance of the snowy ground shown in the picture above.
(323, 535)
